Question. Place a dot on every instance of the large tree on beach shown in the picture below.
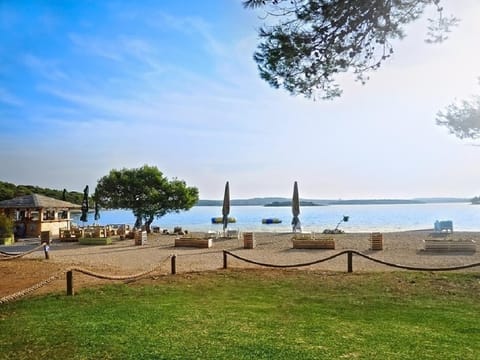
(146, 192)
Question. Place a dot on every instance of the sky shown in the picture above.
(90, 86)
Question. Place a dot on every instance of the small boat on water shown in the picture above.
(271, 221)
(219, 220)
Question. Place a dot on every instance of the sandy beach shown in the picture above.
(123, 257)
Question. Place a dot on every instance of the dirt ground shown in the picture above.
(125, 258)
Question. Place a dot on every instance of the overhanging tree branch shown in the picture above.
(313, 41)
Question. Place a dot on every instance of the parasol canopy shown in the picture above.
(84, 217)
(226, 206)
(295, 208)
(97, 211)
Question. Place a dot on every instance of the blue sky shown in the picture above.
(88, 86)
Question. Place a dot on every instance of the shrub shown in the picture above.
(6, 226)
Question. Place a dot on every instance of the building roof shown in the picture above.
(36, 201)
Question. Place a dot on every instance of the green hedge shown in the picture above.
(6, 226)
(7, 240)
(95, 241)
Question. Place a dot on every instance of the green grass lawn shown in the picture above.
(253, 315)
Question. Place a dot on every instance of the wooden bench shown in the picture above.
(193, 242)
(308, 241)
(376, 241)
(450, 245)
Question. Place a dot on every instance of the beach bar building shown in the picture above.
(34, 214)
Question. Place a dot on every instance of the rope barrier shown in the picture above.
(118, 277)
(405, 267)
(22, 293)
(17, 256)
(284, 266)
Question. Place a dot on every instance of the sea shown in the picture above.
(361, 218)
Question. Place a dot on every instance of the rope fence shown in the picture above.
(22, 293)
(10, 256)
(69, 278)
(225, 252)
(69, 271)
(349, 254)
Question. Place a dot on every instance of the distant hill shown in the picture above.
(243, 202)
(10, 191)
(278, 201)
(443, 200)
(289, 203)
(376, 202)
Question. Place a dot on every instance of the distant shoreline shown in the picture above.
(289, 203)
(273, 202)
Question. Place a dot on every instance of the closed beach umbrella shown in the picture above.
(226, 206)
(97, 211)
(64, 195)
(84, 217)
(295, 208)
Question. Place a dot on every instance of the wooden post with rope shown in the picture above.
(174, 264)
(224, 259)
(350, 261)
(70, 283)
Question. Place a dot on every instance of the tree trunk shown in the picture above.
(138, 222)
(148, 223)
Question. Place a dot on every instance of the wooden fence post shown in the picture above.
(349, 261)
(70, 283)
(224, 259)
(174, 264)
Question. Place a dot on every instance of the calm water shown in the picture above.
(362, 218)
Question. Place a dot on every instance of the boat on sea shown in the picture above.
(271, 221)
(219, 220)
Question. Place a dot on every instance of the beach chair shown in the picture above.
(232, 234)
(441, 226)
(210, 235)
